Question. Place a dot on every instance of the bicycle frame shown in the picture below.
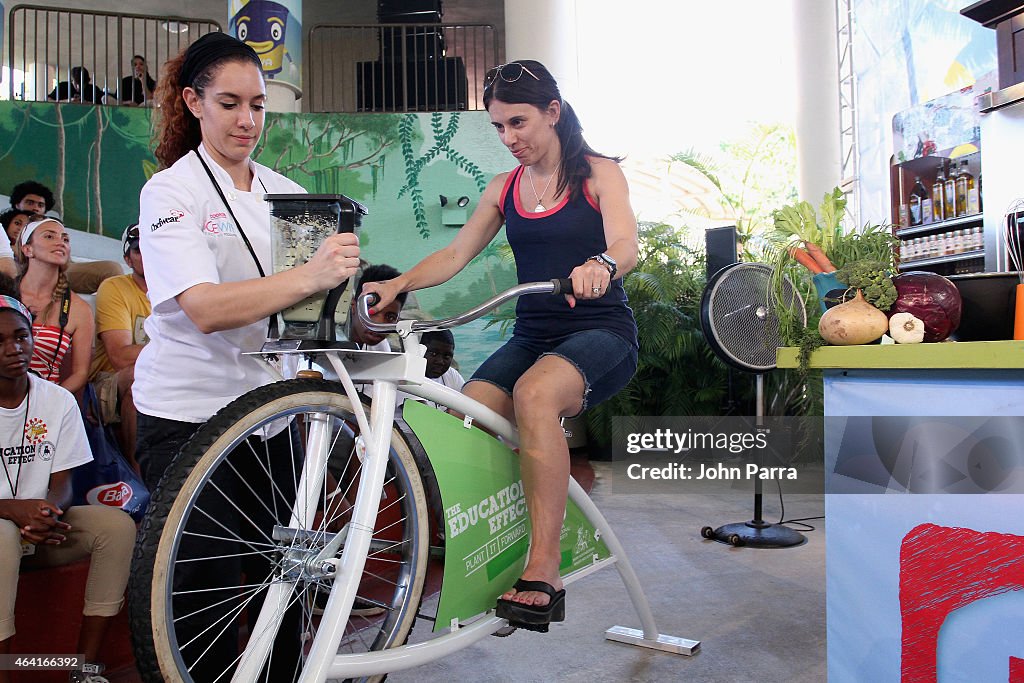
(388, 372)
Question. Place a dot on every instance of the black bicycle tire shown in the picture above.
(141, 615)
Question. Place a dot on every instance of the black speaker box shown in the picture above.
(411, 43)
(428, 85)
(720, 247)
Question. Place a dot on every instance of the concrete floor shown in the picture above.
(759, 613)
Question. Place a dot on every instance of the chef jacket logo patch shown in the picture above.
(173, 216)
(46, 451)
(218, 224)
(35, 430)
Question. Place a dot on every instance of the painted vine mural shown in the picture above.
(96, 160)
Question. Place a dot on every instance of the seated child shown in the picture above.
(440, 352)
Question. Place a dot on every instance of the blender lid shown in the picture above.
(304, 197)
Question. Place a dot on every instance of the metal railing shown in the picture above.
(398, 67)
(46, 43)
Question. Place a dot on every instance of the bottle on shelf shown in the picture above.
(964, 184)
(974, 197)
(938, 190)
(918, 194)
(949, 194)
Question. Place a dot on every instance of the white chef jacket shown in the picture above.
(188, 237)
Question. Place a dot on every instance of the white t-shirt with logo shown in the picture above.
(188, 238)
(49, 438)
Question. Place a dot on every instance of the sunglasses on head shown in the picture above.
(510, 73)
(131, 236)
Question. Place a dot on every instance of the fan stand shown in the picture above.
(756, 533)
(735, 311)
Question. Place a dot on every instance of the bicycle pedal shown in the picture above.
(536, 628)
(504, 631)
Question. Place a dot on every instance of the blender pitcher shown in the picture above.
(299, 225)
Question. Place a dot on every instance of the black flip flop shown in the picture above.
(533, 617)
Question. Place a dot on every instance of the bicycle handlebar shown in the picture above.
(559, 286)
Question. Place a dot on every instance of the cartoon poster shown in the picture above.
(274, 30)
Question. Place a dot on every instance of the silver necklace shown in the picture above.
(540, 205)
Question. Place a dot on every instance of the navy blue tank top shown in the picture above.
(548, 245)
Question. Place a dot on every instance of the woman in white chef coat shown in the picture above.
(205, 236)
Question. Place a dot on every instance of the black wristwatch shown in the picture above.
(606, 261)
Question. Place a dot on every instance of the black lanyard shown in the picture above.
(65, 310)
(220, 193)
(21, 451)
(272, 328)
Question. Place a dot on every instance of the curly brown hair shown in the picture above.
(177, 131)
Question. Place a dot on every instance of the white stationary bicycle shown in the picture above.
(310, 561)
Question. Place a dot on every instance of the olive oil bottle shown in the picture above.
(964, 185)
(949, 194)
(938, 190)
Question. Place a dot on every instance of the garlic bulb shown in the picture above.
(906, 328)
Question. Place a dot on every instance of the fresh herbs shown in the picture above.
(809, 340)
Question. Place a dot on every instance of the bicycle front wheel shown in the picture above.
(232, 531)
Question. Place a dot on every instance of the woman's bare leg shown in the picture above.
(549, 390)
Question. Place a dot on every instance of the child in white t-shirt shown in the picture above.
(42, 439)
(440, 353)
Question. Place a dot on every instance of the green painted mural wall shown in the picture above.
(98, 158)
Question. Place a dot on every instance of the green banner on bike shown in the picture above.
(485, 521)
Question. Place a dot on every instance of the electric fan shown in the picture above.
(738, 318)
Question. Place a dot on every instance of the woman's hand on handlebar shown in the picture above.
(335, 261)
(590, 280)
(386, 290)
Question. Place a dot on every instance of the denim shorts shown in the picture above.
(604, 359)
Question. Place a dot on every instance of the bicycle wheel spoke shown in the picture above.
(195, 591)
(245, 482)
(225, 539)
(237, 538)
(214, 605)
(220, 557)
(275, 490)
(377, 557)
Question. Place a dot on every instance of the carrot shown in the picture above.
(804, 259)
(819, 257)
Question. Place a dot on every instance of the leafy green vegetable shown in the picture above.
(872, 278)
